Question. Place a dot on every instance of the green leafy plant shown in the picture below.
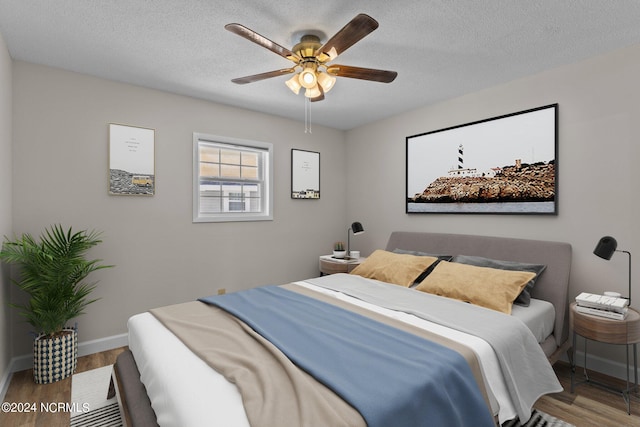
(52, 272)
(338, 246)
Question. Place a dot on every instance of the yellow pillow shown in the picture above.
(399, 269)
(487, 287)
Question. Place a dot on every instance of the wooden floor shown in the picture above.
(22, 390)
(590, 406)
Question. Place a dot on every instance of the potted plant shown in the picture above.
(338, 250)
(52, 273)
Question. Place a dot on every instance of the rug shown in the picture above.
(539, 419)
(89, 403)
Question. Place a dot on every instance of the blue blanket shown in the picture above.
(392, 377)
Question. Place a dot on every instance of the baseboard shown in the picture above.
(604, 366)
(20, 363)
(4, 382)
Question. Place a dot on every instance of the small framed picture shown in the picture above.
(305, 174)
(131, 160)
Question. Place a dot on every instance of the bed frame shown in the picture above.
(552, 286)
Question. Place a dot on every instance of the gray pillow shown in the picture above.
(429, 269)
(524, 299)
(418, 253)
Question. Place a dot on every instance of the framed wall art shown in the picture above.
(131, 160)
(502, 165)
(305, 174)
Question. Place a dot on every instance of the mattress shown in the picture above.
(539, 317)
(186, 391)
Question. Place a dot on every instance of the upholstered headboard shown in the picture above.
(552, 285)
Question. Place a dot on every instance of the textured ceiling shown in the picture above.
(440, 48)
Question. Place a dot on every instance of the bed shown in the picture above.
(170, 381)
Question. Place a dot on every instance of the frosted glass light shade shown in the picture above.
(308, 77)
(312, 92)
(326, 81)
(294, 84)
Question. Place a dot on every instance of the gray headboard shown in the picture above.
(552, 285)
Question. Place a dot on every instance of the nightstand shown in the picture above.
(330, 265)
(622, 332)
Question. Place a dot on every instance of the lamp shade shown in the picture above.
(294, 84)
(606, 247)
(312, 92)
(357, 228)
(326, 81)
(307, 76)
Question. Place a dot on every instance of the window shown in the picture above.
(231, 179)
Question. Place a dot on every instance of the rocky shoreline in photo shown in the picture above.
(523, 183)
(120, 182)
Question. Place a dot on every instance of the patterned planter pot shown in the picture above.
(55, 358)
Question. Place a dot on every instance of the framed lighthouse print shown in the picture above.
(501, 165)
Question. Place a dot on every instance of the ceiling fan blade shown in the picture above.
(252, 36)
(381, 76)
(262, 76)
(350, 34)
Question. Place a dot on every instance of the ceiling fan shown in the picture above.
(311, 58)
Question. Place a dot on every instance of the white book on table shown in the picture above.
(602, 313)
(345, 260)
(602, 302)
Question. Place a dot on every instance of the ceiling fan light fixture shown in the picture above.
(308, 77)
(312, 92)
(326, 81)
(294, 84)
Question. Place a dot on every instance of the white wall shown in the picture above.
(599, 124)
(60, 162)
(60, 175)
(6, 119)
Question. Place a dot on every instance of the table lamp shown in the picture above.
(605, 249)
(356, 228)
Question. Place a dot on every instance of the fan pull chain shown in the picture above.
(307, 115)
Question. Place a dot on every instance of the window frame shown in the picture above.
(265, 184)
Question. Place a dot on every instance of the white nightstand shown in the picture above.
(330, 265)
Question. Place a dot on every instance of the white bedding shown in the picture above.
(539, 317)
(185, 391)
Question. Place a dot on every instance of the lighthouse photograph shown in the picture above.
(505, 164)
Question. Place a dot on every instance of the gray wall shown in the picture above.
(5, 198)
(60, 176)
(599, 124)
